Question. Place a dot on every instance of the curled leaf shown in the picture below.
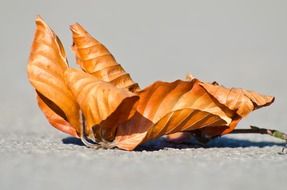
(165, 108)
(240, 101)
(104, 106)
(236, 99)
(46, 68)
(113, 107)
(56, 118)
(94, 58)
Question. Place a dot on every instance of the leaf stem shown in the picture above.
(271, 132)
(254, 129)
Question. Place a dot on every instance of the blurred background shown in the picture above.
(236, 43)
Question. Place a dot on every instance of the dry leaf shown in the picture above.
(166, 108)
(238, 100)
(104, 106)
(46, 68)
(114, 109)
(95, 58)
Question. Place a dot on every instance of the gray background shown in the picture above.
(237, 43)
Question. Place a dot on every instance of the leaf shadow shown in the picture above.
(161, 143)
(221, 142)
(72, 141)
(227, 142)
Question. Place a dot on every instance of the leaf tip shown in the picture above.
(40, 21)
(77, 29)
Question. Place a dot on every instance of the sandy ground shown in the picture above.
(41, 161)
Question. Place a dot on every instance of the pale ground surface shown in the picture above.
(53, 161)
(238, 43)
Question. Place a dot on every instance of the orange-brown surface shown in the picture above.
(113, 106)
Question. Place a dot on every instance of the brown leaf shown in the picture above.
(236, 99)
(165, 108)
(94, 58)
(104, 106)
(113, 107)
(46, 68)
(241, 101)
(56, 118)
